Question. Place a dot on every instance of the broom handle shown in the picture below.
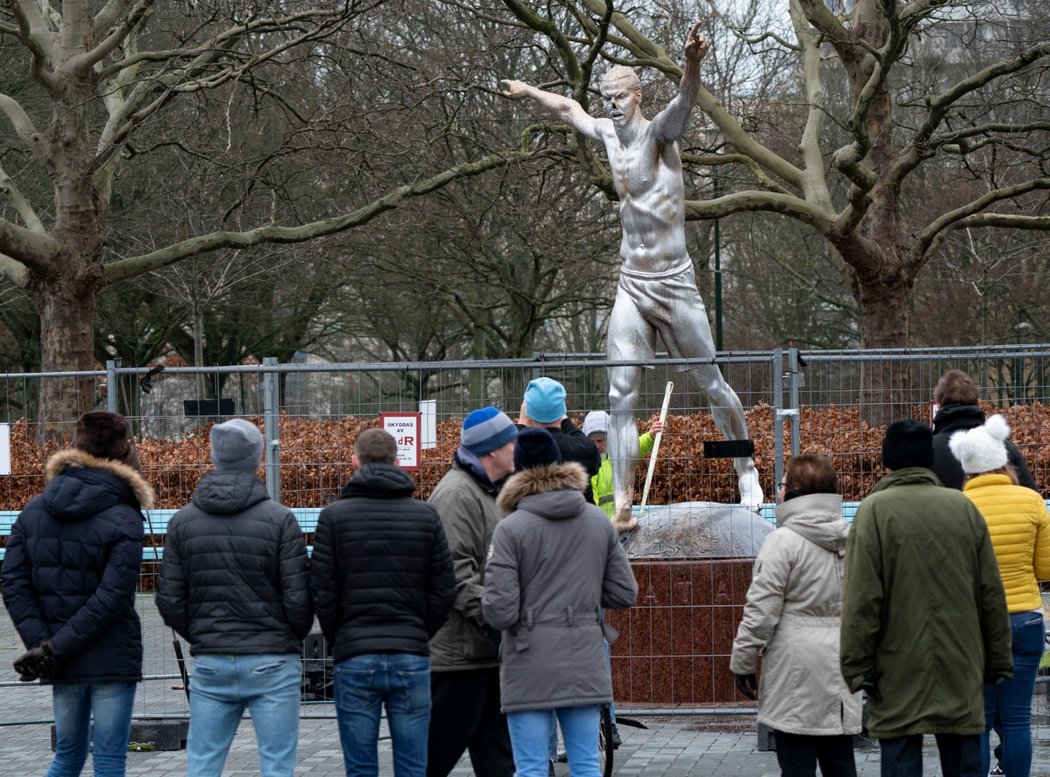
(656, 443)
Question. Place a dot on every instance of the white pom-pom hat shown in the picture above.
(983, 448)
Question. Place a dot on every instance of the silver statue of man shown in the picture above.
(657, 292)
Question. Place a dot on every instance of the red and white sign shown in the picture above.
(405, 429)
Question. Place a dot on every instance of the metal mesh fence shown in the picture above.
(311, 412)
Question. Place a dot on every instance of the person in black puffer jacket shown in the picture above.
(70, 572)
(960, 409)
(234, 583)
(382, 580)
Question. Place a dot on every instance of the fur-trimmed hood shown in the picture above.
(74, 458)
(568, 475)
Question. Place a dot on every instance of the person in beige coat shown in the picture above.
(791, 619)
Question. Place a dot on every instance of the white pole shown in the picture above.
(656, 443)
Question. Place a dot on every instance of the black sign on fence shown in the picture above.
(208, 407)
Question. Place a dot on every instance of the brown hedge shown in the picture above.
(315, 456)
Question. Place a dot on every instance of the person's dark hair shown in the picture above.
(375, 446)
(810, 473)
(956, 388)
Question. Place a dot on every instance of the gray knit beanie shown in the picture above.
(236, 446)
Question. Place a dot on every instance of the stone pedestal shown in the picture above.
(675, 643)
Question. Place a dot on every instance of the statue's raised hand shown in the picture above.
(697, 44)
(515, 90)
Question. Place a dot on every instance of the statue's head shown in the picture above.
(622, 76)
(621, 95)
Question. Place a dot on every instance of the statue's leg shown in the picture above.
(689, 337)
(630, 338)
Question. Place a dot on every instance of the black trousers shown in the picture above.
(799, 754)
(465, 715)
(960, 755)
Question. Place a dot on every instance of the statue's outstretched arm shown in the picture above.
(562, 108)
(670, 123)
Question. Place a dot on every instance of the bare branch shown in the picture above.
(149, 95)
(14, 271)
(37, 249)
(938, 105)
(23, 126)
(971, 213)
(25, 210)
(137, 265)
(109, 14)
(35, 34)
(739, 202)
(120, 32)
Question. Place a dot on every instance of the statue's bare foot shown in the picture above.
(751, 495)
(624, 520)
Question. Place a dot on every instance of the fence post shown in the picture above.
(271, 384)
(112, 387)
(795, 381)
(778, 421)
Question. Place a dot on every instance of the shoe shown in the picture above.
(616, 741)
(550, 767)
(751, 496)
(997, 769)
(561, 757)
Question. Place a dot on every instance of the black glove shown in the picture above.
(994, 679)
(746, 684)
(870, 685)
(25, 665)
(41, 662)
(48, 666)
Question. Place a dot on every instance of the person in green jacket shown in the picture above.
(596, 427)
(924, 619)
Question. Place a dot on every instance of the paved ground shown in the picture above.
(671, 747)
(715, 745)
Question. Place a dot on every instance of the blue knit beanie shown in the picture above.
(486, 430)
(544, 400)
(535, 448)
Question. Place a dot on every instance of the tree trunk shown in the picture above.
(885, 385)
(67, 308)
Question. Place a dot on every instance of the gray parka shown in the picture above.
(791, 617)
(555, 561)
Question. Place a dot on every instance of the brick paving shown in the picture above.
(672, 746)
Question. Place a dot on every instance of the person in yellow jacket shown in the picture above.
(596, 427)
(1019, 526)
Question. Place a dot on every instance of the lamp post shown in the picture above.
(718, 275)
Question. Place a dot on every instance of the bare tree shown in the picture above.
(100, 78)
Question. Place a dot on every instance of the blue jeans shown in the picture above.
(553, 744)
(401, 683)
(74, 705)
(221, 687)
(1009, 703)
(530, 733)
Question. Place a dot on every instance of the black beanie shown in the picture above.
(908, 443)
(106, 435)
(535, 448)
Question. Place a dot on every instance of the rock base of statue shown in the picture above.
(696, 530)
(693, 563)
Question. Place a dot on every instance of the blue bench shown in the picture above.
(157, 525)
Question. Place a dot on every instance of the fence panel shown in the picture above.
(794, 400)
